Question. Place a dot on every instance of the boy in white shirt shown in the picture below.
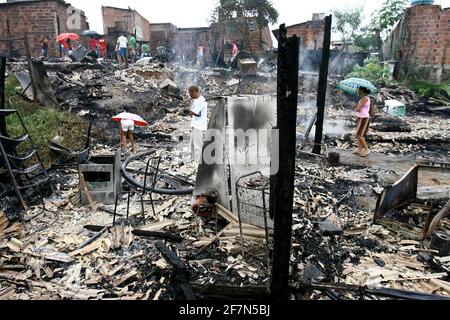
(199, 123)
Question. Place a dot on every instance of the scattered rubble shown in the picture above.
(68, 251)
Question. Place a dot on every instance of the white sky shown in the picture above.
(196, 13)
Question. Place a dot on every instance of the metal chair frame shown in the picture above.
(149, 165)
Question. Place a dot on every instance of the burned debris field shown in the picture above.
(294, 214)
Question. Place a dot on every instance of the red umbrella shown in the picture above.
(65, 36)
(138, 121)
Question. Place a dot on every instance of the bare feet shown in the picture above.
(364, 153)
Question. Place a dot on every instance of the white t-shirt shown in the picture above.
(200, 107)
(123, 42)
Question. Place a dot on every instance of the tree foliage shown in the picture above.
(347, 23)
(262, 10)
(366, 41)
(373, 71)
(237, 14)
(389, 14)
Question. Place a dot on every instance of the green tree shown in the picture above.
(388, 15)
(238, 14)
(366, 41)
(347, 23)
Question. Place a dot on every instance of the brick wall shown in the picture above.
(423, 38)
(311, 34)
(186, 42)
(116, 17)
(37, 18)
(162, 34)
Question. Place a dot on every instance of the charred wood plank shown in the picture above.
(223, 292)
(323, 82)
(282, 183)
(144, 234)
(92, 239)
(182, 273)
(381, 292)
(3, 130)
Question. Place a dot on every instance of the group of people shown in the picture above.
(199, 123)
(201, 54)
(65, 46)
(129, 48)
(97, 45)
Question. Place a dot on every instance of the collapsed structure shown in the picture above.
(35, 18)
(420, 42)
(315, 227)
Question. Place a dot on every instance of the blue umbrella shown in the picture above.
(352, 85)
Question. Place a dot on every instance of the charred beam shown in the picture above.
(10, 40)
(182, 273)
(323, 81)
(144, 234)
(3, 130)
(227, 292)
(282, 184)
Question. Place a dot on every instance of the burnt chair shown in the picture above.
(150, 180)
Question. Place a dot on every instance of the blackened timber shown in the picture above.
(323, 81)
(28, 54)
(228, 292)
(282, 183)
(145, 234)
(10, 41)
(182, 273)
(3, 130)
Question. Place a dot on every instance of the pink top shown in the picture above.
(365, 110)
(235, 50)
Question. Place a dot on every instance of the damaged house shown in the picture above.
(117, 21)
(421, 43)
(35, 18)
(162, 34)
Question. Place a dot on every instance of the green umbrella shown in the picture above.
(352, 85)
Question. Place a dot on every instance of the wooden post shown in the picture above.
(323, 81)
(3, 130)
(379, 44)
(10, 43)
(2, 82)
(282, 183)
(28, 54)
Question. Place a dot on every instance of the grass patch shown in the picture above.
(43, 123)
(427, 89)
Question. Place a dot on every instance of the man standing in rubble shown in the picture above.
(133, 49)
(200, 55)
(44, 46)
(199, 123)
(122, 46)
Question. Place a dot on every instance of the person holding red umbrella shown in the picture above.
(103, 47)
(127, 123)
(65, 40)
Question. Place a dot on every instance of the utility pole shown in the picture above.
(3, 130)
(379, 44)
(282, 183)
(323, 81)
